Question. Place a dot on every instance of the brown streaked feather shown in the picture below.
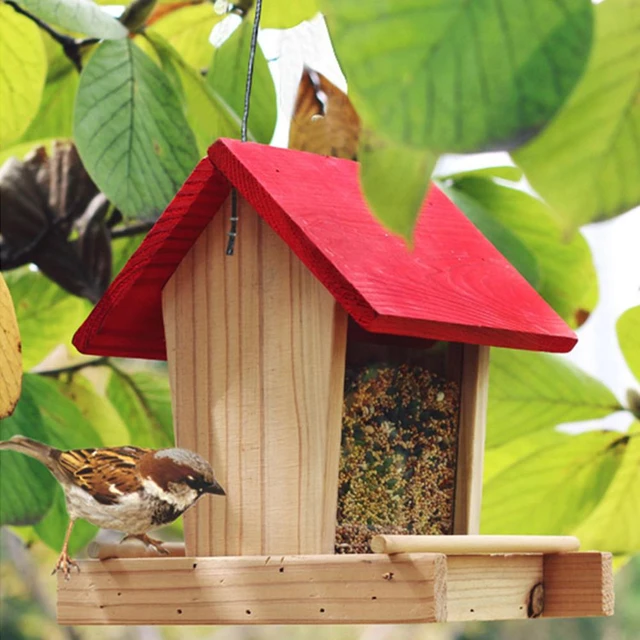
(99, 471)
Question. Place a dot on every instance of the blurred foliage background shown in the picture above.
(102, 120)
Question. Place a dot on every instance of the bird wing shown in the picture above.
(104, 473)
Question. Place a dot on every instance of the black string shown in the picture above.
(233, 232)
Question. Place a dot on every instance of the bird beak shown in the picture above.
(215, 488)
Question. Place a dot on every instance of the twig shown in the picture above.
(72, 368)
(131, 230)
(233, 232)
(70, 46)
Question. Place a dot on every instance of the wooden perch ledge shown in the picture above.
(317, 589)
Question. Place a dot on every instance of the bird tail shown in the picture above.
(41, 452)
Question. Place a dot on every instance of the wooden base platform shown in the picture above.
(336, 589)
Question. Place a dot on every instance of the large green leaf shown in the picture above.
(82, 16)
(207, 113)
(24, 66)
(587, 162)
(188, 31)
(130, 130)
(96, 409)
(460, 76)
(628, 329)
(613, 524)
(567, 275)
(55, 115)
(143, 401)
(47, 315)
(554, 488)
(26, 486)
(66, 426)
(531, 391)
(384, 166)
(228, 75)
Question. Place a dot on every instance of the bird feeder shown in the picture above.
(337, 382)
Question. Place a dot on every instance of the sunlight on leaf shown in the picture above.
(130, 130)
(613, 524)
(460, 76)
(47, 315)
(394, 181)
(285, 14)
(554, 488)
(24, 66)
(586, 164)
(530, 391)
(83, 16)
(628, 330)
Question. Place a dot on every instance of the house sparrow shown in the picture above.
(128, 489)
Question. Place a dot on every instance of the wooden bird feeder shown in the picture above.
(337, 382)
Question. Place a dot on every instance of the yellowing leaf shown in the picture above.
(324, 120)
(10, 353)
(628, 329)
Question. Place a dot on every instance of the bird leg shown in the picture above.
(147, 541)
(65, 563)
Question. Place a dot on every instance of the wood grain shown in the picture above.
(577, 585)
(472, 544)
(474, 392)
(256, 352)
(453, 285)
(256, 590)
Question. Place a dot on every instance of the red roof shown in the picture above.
(453, 285)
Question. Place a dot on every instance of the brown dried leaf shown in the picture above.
(324, 120)
(10, 353)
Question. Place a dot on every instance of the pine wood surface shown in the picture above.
(452, 285)
(370, 588)
(256, 350)
(474, 394)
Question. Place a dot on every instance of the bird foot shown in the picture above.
(64, 564)
(149, 542)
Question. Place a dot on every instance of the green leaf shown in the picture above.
(208, 115)
(283, 14)
(567, 275)
(530, 391)
(500, 236)
(26, 486)
(460, 76)
(96, 409)
(613, 524)
(52, 528)
(188, 31)
(628, 330)
(24, 66)
(143, 401)
(228, 75)
(384, 166)
(512, 174)
(66, 426)
(82, 16)
(554, 488)
(122, 249)
(130, 130)
(47, 315)
(55, 115)
(587, 162)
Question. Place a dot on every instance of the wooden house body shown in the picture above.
(257, 346)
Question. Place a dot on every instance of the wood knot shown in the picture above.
(535, 604)
(388, 575)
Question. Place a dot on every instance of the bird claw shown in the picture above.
(148, 542)
(64, 564)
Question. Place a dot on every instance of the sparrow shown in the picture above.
(129, 489)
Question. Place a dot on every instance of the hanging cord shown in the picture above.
(233, 232)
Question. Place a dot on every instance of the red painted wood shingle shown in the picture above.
(453, 285)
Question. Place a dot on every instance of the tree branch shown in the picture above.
(103, 361)
(71, 46)
(132, 230)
